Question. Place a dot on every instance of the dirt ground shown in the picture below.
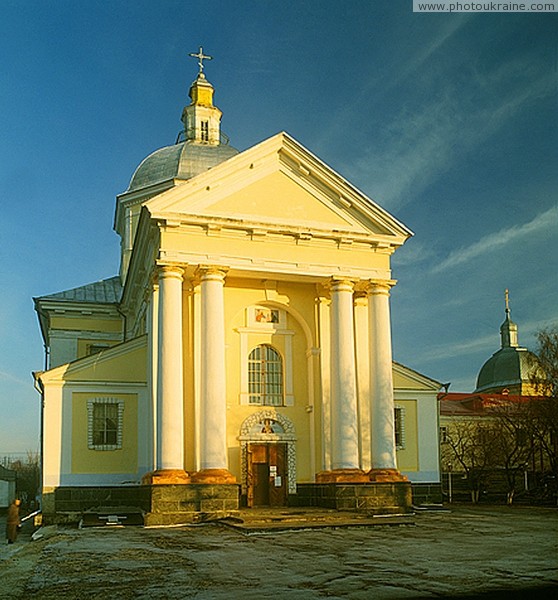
(470, 551)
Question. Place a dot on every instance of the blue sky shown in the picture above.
(447, 121)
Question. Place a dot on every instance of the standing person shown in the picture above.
(12, 521)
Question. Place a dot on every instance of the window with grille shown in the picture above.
(265, 376)
(205, 131)
(105, 423)
(399, 427)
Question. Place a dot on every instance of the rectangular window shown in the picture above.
(96, 348)
(444, 435)
(205, 131)
(105, 423)
(399, 425)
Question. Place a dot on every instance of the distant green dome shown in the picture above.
(510, 368)
(181, 161)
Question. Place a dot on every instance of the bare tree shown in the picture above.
(544, 411)
(545, 375)
(27, 478)
(511, 442)
(468, 442)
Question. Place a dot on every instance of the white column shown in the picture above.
(213, 405)
(344, 418)
(363, 379)
(381, 378)
(152, 361)
(170, 397)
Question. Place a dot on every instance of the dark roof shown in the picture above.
(106, 291)
(461, 404)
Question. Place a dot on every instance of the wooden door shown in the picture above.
(267, 475)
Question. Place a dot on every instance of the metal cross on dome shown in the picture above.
(201, 57)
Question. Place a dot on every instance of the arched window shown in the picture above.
(265, 376)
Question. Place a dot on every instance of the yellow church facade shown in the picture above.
(244, 350)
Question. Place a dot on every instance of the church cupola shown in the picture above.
(508, 329)
(201, 118)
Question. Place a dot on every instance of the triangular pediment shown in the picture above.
(279, 183)
(405, 378)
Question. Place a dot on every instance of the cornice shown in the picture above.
(285, 270)
(225, 226)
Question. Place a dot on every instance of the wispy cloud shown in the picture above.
(422, 142)
(499, 239)
(9, 377)
(412, 253)
(460, 348)
(379, 85)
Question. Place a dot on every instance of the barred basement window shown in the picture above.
(104, 423)
(265, 376)
(399, 423)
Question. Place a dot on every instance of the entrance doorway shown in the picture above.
(267, 475)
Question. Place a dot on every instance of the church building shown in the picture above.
(242, 356)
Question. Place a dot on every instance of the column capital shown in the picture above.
(341, 284)
(169, 271)
(211, 272)
(380, 286)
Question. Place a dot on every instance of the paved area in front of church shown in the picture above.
(470, 551)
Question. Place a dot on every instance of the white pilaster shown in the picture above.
(213, 406)
(170, 408)
(381, 378)
(344, 418)
(324, 316)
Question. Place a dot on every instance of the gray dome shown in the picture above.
(181, 161)
(510, 368)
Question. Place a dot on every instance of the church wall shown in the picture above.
(290, 338)
(114, 374)
(63, 348)
(52, 436)
(420, 459)
(84, 345)
(123, 460)
(407, 455)
(190, 305)
(131, 366)
(68, 461)
(70, 337)
(81, 323)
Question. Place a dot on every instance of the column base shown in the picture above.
(385, 476)
(166, 477)
(342, 476)
(213, 477)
